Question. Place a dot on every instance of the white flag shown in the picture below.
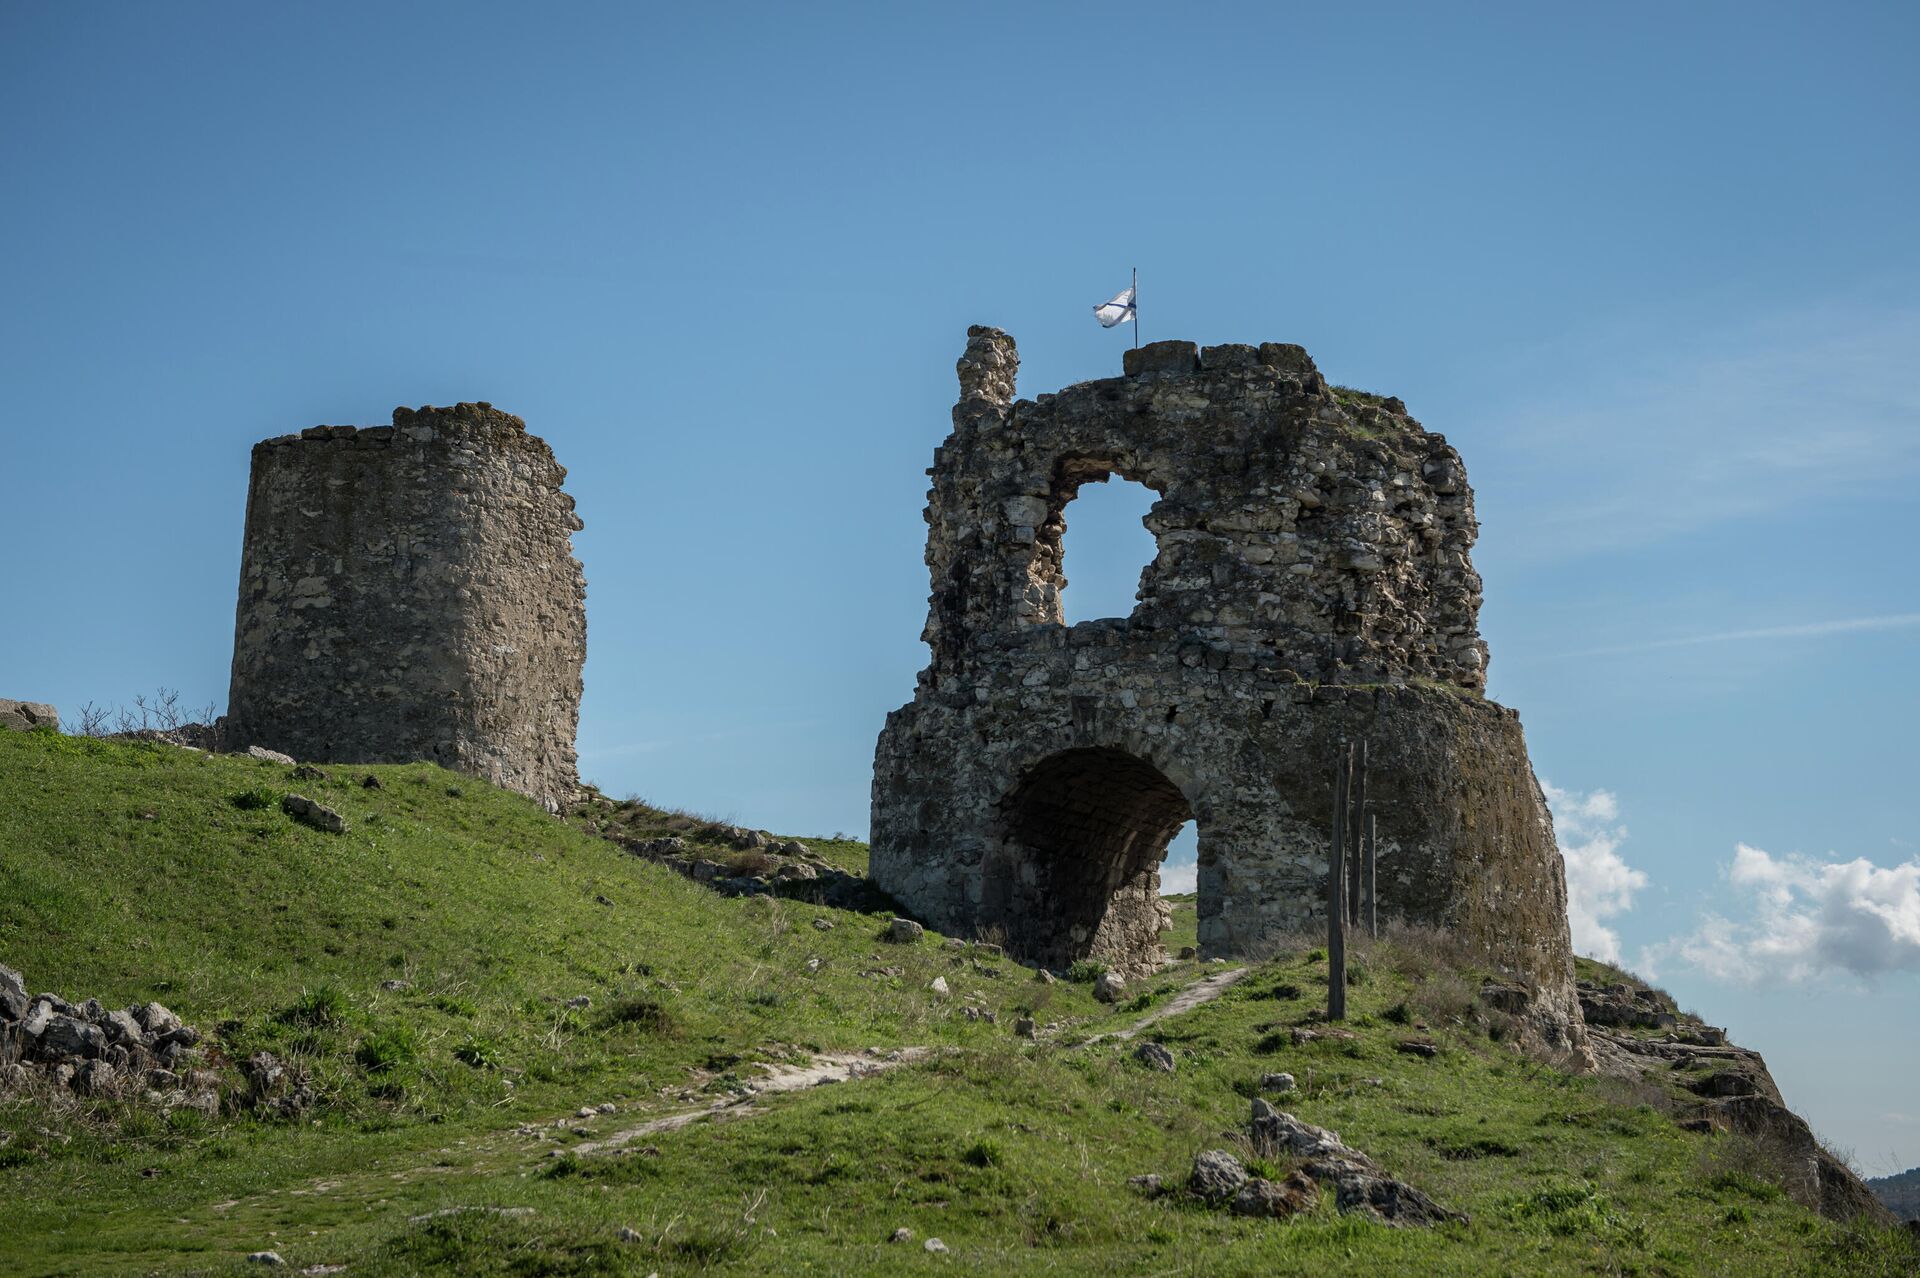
(1118, 311)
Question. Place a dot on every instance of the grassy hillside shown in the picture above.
(447, 1104)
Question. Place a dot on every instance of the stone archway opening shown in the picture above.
(1075, 873)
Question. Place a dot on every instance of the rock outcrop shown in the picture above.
(23, 716)
(90, 1050)
(1736, 1093)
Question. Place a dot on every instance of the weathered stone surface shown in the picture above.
(269, 756)
(22, 716)
(1154, 1056)
(1217, 1175)
(317, 815)
(905, 931)
(1108, 987)
(1313, 585)
(411, 593)
(1258, 1197)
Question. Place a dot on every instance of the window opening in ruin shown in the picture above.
(1106, 549)
(1073, 877)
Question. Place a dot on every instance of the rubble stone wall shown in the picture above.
(1312, 585)
(410, 592)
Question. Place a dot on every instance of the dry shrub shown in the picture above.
(1629, 1093)
(751, 863)
(1417, 952)
(1762, 1166)
(1446, 997)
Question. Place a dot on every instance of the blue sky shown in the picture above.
(1651, 268)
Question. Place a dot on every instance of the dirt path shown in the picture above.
(1196, 994)
(846, 1067)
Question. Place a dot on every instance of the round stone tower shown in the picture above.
(410, 592)
(1313, 587)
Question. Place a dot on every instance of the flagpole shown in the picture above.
(1136, 308)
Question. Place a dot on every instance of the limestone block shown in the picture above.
(23, 716)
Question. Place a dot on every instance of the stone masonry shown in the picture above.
(410, 592)
(1312, 586)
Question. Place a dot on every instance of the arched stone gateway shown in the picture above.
(1075, 869)
(1312, 586)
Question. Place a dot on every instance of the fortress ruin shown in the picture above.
(1312, 586)
(410, 592)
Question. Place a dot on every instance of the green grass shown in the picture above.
(128, 872)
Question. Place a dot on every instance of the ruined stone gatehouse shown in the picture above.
(410, 592)
(1312, 586)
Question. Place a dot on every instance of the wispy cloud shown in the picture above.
(1671, 432)
(1803, 919)
(1600, 884)
(1807, 630)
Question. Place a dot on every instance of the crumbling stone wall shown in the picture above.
(410, 592)
(1312, 585)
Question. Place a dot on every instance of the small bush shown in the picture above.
(386, 1050)
(1086, 971)
(641, 1013)
(454, 1005)
(481, 1053)
(256, 799)
(985, 1153)
(1397, 1014)
(322, 1007)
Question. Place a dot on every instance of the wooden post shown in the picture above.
(1336, 890)
(1370, 916)
(1358, 840)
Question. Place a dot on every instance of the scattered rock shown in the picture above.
(939, 987)
(934, 1245)
(580, 1001)
(1149, 1185)
(1044, 976)
(1302, 1036)
(905, 931)
(1108, 987)
(1359, 1184)
(1154, 1056)
(628, 1234)
(1023, 1027)
(395, 986)
(1217, 1176)
(1188, 952)
(317, 815)
(823, 925)
(1278, 1084)
(307, 772)
(1417, 1047)
(271, 756)
(271, 1259)
(901, 1235)
(1259, 1197)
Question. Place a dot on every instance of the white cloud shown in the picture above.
(1599, 883)
(1804, 919)
(1175, 879)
